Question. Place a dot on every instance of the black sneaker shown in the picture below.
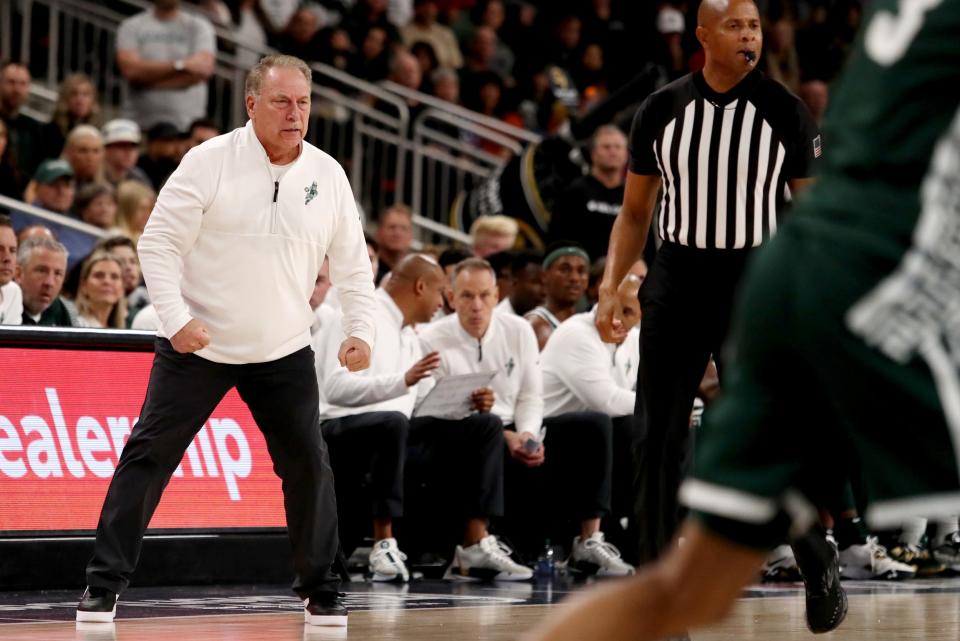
(97, 605)
(820, 569)
(325, 608)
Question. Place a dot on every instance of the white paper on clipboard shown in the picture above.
(450, 397)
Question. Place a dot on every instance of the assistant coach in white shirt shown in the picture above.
(582, 373)
(230, 255)
(570, 483)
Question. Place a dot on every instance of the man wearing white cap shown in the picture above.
(121, 140)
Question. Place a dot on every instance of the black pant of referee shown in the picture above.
(686, 302)
(183, 391)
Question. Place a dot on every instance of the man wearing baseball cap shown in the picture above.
(56, 187)
(121, 140)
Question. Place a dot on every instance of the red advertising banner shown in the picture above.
(64, 417)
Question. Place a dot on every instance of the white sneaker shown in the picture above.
(781, 565)
(870, 561)
(597, 557)
(488, 560)
(387, 562)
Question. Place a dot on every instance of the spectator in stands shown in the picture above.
(134, 204)
(425, 28)
(567, 42)
(164, 150)
(302, 37)
(23, 132)
(405, 71)
(84, 151)
(367, 14)
(96, 204)
(427, 59)
(125, 251)
(55, 187)
(368, 420)
(565, 275)
(526, 276)
(201, 130)
(815, 94)
(500, 262)
(480, 61)
(780, 54)
(10, 178)
(248, 31)
(582, 373)
(337, 50)
(489, 98)
(100, 300)
(121, 150)
(586, 209)
(491, 234)
(394, 236)
(166, 56)
(671, 26)
(11, 299)
(590, 76)
(76, 105)
(35, 231)
(574, 481)
(373, 62)
(446, 85)
(41, 268)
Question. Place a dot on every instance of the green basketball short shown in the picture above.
(806, 403)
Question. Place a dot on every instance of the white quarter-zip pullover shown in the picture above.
(239, 251)
(509, 347)
(582, 373)
(381, 387)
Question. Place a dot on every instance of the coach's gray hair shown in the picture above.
(29, 246)
(259, 70)
(473, 264)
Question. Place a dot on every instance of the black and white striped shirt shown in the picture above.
(724, 159)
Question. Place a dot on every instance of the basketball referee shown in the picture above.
(725, 144)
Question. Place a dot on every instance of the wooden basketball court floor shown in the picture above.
(435, 611)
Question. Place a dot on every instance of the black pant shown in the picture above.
(574, 482)
(183, 391)
(465, 453)
(686, 301)
(370, 449)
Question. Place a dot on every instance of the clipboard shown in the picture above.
(450, 397)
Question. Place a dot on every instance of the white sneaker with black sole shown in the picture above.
(596, 557)
(386, 562)
(488, 560)
(781, 565)
(870, 561)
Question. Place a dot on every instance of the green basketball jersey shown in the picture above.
(896, 97)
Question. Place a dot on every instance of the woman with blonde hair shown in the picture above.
(100, 300)
(135, 201)
(76, 105)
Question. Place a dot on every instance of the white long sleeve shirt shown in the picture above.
(381, 387)
(509, 347)
(11, 304)
(582, 373)
(232, 248)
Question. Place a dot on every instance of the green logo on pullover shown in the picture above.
(311, 192)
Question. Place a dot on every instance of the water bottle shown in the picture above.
(545, 566)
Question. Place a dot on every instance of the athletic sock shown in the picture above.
(913, 531)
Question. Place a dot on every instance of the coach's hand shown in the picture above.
(191, 337)
(421, 369)
(610, 316)
(354, 354)
(515, 445)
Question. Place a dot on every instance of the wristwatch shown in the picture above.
(179, 65)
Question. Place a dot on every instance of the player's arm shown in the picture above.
(627, 240)
(689, 587)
